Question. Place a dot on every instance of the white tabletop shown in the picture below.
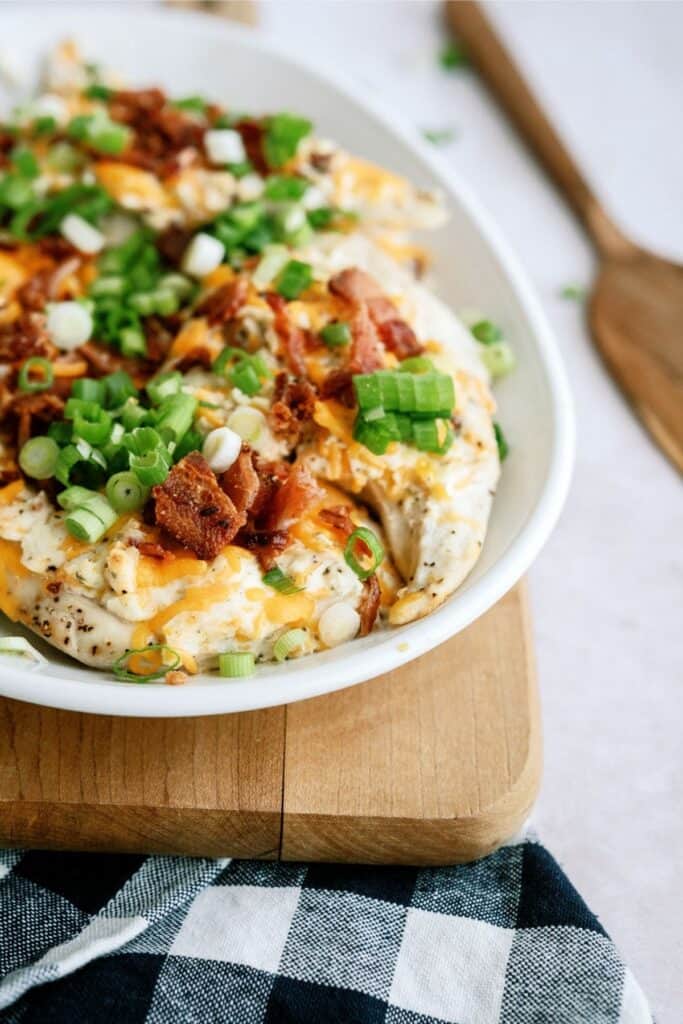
(606, 592)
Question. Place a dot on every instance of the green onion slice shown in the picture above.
(486, 332)
(27, 379)
(92, 424)
(417, 364)
(151, 468)
(125, 492)
(294, 279)
(164, 385)
(38, 457)
(119, 388)
(19, 645)
(499, 359)
(90, 521)
(87, 389)
(236, 664)
(82, 458)
(288, 643)
(154, 662)
(280, 581)
(336, 335)
(433, 436)
(363, 552)
(503, 446)
(74, 496)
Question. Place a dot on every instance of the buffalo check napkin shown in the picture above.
(128, 939)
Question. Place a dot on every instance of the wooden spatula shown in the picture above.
(636, 309)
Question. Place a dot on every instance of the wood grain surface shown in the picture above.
(436, 762)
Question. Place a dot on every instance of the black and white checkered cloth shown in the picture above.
(127, 939)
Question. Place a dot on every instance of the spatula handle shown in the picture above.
(498, 69)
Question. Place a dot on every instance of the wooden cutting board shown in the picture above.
(434, 763)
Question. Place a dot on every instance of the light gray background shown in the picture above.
(606, 592)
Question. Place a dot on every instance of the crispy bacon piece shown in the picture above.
(369, 604)
(42, 406)
(241, 482)
(26, 336)
(252, 136)
(164, 137)
(35, 292)
(367, 351)
(294, 339)
(339, 384)
(173, 242)
(265, 544)
(360, 289)
(338, 519)
(290, 500)
(399, 338)
(224, 303)
(152, 549)
(191, 506)
(293, 406)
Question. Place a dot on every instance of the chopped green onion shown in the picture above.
(38, 457)
(109, 284)
(192, 441)
(433, 436)
(83, 460)
(498, 358)
(111, 139)
(133, 414)
(288, 643)
(503, 447)
(294, 279)
(439, 136)
(417, 364)
(241, 169)
(97, 91)
(321, 218)
(280, 581)
(377, 429)
(91, 423)
(192, 104)
(245, 377)
(157, 667)
(281, 187)
(118, 388)
(336, 335)
(236, 664)
(142, 440)
(90, 521)
(63, 157)
(19, 645)
(132, 342)
(150, 468)
(60, 431)
(422, 395)
(452, 56)
(25, 162)
(271, 263)
(363, 552)
(574, 292)
(486, 332)
(74, 496)
(15, 191)
(284, 132)
(175, 414)
(164, 385)
(88, 389)
(27, 382)
(46, 125)
(125, 492)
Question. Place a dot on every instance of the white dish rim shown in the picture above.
(299, 680)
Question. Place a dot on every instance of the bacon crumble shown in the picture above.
(224, 303)
(192, 507)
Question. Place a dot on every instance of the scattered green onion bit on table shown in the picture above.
(236, 664)
(363, 552)
(281, 582)
(289, 642)
(452, 56)
(38, 457)
(439, 136)
(157, 666)
(573, 292)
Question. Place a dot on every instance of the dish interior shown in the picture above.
(472, 268)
